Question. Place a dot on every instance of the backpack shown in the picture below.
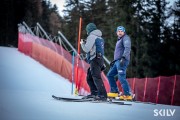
(99, 43)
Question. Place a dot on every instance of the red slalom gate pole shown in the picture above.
(145, 85)
(157, 96)
(77, 61)
(133, 87)
(172, 99)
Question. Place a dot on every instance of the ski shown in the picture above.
(92, 100)
(71, 99)
(133, 101)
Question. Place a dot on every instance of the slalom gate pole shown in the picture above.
(145, 85)
(78, 56)
(72, 73)
(133, 87)
(158, 87)
(174, 86)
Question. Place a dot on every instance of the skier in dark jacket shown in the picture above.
(120, 64)
(94, 47)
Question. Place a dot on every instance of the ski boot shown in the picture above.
(112, 95)
(89, 96)
(126, 97)
(100, 98)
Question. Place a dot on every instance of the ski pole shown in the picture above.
(72, 73)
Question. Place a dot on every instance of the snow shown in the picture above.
(26, 88)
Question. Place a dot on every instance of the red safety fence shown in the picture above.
(162, 90)
(56, 58)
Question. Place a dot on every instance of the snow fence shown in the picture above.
(163, 90)
(56, 58)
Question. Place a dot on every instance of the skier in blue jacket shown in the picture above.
(94, 47)
(119, 65)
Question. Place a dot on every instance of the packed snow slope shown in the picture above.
(26, 87)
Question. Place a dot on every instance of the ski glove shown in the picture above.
(82, 41)
(122, 61)
(103, 67)
(112, 63)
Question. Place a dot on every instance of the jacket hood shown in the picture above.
(96, 33)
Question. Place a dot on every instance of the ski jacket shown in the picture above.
(123, 48)
(94, 44)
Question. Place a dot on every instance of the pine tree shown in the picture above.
(122, 12)
(170, 46)
(72, 12)
(152, 20)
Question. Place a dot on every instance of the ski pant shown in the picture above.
(116, 69)
(94, 79)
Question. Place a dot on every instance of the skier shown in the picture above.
(119, 65)
(94, 47)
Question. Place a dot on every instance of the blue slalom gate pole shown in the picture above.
(72, 72)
